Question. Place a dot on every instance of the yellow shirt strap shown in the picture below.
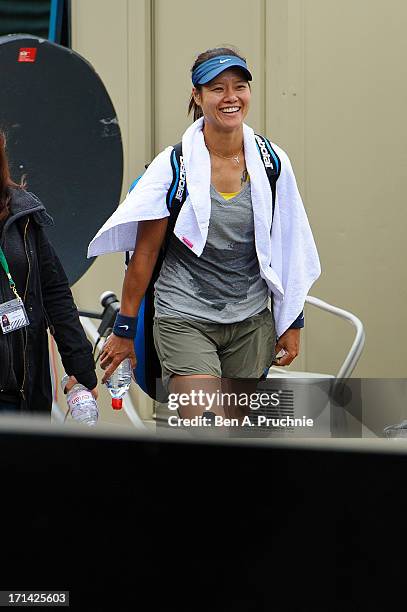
(229, 196)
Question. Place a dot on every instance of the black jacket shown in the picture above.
(48, 302)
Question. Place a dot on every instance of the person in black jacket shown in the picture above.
(41, 283)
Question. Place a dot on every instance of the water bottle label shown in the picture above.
(81, 396)
(83, 406)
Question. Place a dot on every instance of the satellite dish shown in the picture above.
(63, 134)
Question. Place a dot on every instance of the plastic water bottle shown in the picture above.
(81, 403)
(119, 383)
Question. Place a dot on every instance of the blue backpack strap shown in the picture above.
(177, 192)
(175, 160)
(271, 163)
(148, 370)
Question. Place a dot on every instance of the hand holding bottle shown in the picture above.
(72, 381)
(81, 401)
(119, 383)
(114, 351)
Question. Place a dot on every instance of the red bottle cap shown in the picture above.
(117, 403)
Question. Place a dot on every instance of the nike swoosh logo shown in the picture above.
(125, 326)
(223, 61)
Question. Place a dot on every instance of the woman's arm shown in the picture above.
(150, 237)
(73, 346)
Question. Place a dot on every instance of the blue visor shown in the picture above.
(210, 69)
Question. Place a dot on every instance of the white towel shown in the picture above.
(286, 251)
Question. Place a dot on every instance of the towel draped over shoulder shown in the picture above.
(288, 258)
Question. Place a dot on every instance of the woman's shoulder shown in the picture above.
(21, 199)
(161, 160)
(26, 202)
(159, 170)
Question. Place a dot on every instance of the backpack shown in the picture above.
(148, 369)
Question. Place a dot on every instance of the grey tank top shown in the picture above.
(223, 285)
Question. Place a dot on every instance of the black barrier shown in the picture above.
(127, 524)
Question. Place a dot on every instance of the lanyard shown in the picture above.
(5, 267)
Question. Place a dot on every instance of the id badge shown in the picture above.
(12, 316)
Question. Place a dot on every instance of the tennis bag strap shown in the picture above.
(271, 163)
(148, 371)
(177, 192)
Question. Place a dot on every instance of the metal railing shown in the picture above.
(352, 358)
(356, 349)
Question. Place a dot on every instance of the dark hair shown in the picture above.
(5, 180)
(203, 57)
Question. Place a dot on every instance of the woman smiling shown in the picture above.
(235, 244)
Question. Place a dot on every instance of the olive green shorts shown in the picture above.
(226, 350)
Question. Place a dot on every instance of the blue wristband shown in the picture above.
(299, 322)
(125, 327)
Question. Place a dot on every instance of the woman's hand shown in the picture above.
(115, 350)
(72, 381)
(289, 342)
(150, 237)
